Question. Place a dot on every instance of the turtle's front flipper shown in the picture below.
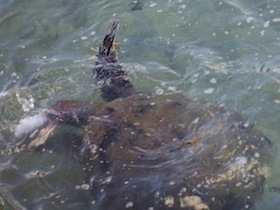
(109, 74)
(107, 52)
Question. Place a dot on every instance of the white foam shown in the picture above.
(26, 104)
(30, 124)
(209, 91)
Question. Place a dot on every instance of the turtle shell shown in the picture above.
(161, 152)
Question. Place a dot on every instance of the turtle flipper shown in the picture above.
(107, 52)
(110, 75)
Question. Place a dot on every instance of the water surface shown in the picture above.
(226, 52)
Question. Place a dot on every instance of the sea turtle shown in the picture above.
(147, 151)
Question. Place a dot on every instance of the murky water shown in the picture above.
(226, 52)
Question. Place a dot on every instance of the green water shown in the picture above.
(226, 52)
